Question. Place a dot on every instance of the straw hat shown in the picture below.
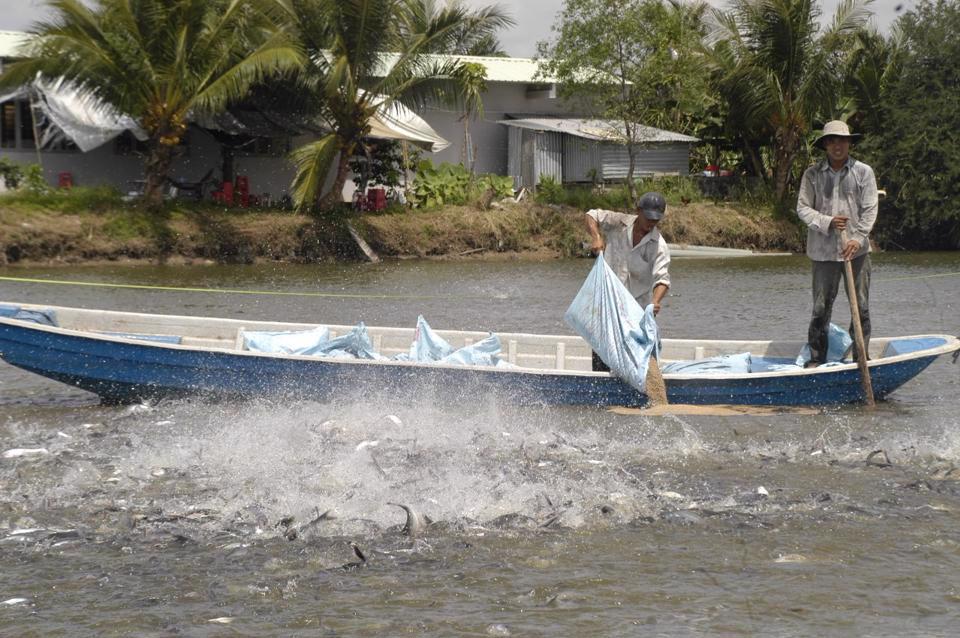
(835, 128)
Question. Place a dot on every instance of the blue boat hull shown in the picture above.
(120, 371)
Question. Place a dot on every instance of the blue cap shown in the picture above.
(652, 205)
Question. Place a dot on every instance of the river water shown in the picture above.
(187, 518)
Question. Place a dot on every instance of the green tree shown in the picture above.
(872, 63)
(779, 73)
(638, 62)
(159, 61)
(916, 150)
(368, 55)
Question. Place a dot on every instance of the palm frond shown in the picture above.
(232, 84)
(312, 162)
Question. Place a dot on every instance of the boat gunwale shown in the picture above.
(952, 344)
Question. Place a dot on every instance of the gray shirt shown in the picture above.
(826, 193)
(639, 267)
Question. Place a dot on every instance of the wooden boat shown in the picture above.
(127, 356)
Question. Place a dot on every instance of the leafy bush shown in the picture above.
(453, 184)
(501, 185)
(915, 153)
(11, 173)
(384, 166)
(550, 191)
(34, 181)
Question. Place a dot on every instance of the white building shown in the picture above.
(515, 91)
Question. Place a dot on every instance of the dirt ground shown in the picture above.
(31, 235)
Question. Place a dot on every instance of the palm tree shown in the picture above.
(160, 61)
(472, 80)
(367, 55)
(477, 34)
(780, 73)
(873, 63)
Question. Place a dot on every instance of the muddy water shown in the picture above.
(195, 519)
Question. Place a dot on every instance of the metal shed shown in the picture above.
(574, 150)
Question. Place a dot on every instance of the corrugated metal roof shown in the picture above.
(592, 129)
(10, 41)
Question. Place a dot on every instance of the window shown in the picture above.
(27, 139)
(17, 127)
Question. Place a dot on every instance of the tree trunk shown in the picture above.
(156, 169)
(786, 144)
(334, 196)
(631, 164)
(750, 151)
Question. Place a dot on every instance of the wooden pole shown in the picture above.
(857, 328)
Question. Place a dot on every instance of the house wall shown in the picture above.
(580, 157)
(660, 158)
(489, 138)
(105, 165)
(273, 175)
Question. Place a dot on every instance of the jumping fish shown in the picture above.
(416, 522)
(15, 601)
(359, 554)
(19, 452)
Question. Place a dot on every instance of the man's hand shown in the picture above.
(656, 309)
(850, 249)
(839, 222)
(597, 245)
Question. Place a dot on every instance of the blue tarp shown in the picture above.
(429, 347)
(316, 342)
(42, 317)
(606, 315)
(290, 342)
(727, 363)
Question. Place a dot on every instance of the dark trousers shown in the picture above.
(597, 364)
(826, 281)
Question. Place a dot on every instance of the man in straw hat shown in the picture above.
(838, 193)
(635, 250)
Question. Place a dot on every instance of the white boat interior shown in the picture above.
(532, 351)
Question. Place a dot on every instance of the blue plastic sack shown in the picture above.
(355, 344)
(306, 342)
(727, 363)
(838, 342)
(429, 347)
(607, 316)
(42, 317)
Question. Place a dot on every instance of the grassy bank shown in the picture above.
(91, 226)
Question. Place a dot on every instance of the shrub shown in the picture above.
(453, 184)
(11, 173)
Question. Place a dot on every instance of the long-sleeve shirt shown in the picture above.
(640, 267)
(826, 193)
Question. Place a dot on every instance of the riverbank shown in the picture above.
(31, 234)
